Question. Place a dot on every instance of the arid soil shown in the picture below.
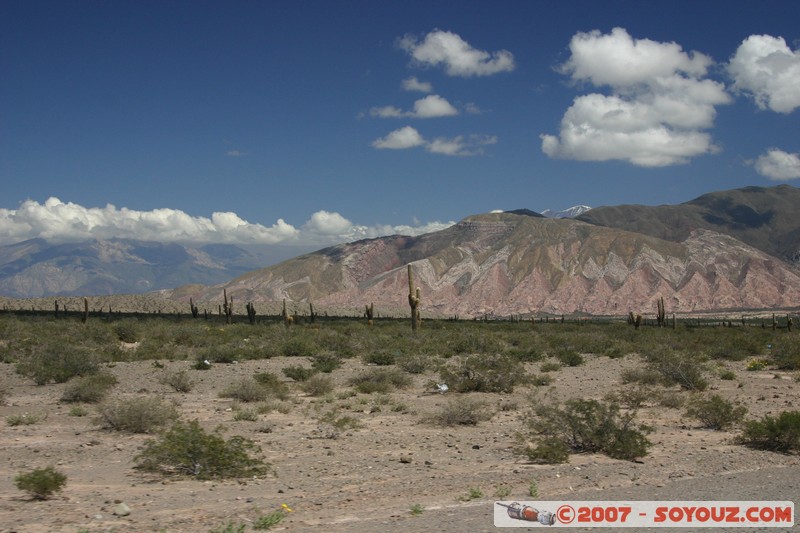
(366, 478)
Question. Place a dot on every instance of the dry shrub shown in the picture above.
(143, 414)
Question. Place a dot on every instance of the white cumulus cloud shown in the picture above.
(658, 106)
(431, 106)
(408, 137)
(778, 165)
(455, 55)
(768, 70)
(400, 139)
(58, 221)
(327, 223)
(460, 145)
(413, 84)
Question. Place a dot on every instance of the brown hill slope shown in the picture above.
(763, 217)
(506, 264)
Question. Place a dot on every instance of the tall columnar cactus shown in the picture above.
(662, 314)
(287, 319)
(413, 301)
(312, 316)
(85, 310)
(227, 306)
(193, 308)
(369, 311)
(251, 312)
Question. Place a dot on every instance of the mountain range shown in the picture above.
(737, 249)
(723, 251)
(36, 267)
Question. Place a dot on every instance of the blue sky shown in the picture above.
(323, 121)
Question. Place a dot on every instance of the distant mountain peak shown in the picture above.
(525, 212)
(570, 212)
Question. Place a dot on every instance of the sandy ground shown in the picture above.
(368, 478)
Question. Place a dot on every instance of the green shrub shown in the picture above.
(755, 365)
(201, 363)
(617, 350)
(270, 520)
(380, 358)
(340, 423)
(541, 380)
(670, 399)
(126, 332)
(224, 354)
(317, 385)
(299, 347)
(41, 483)
(678, 367)
(483, 373)
(245, 390)
(188, 450)
(550, 366)
(179, 381)
(89, 389)
(57, 364)
(298, 373)
(630, 397)
(715, 412)
(380, 380)
(230, 527)
(137, 415)
(586, 426)
(733, 344)
(78, 410)
(414, 363)
(474, 493)
(461, 412)
(727, 375)
(245, 414)
(326, 362)
(25, 419)
(786, 353)
(781, 434)
(569, 357)
(548, 450)
(272, 385)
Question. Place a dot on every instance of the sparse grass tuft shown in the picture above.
(245, 390)
(179, 381)
(25, 419)
(461, 412)
(298, 373)
(381, 380)
(317, 385)
(143, 414)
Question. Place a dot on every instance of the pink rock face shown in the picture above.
(504, 264)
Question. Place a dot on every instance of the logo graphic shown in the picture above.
(518, 511)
